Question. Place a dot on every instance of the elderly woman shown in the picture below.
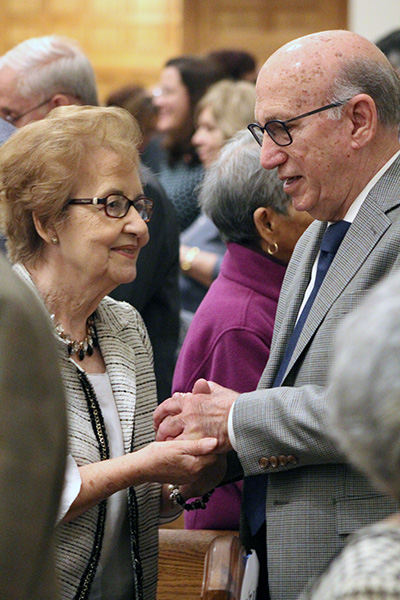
(365, 421)
(229, 338)
(226, 108)
(73, 210)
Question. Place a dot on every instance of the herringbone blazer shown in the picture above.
(314, 499)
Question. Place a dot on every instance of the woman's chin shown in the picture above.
(126, 277)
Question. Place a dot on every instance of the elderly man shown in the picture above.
(328, 109)
(42, 73)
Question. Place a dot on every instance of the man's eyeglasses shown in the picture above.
(116, 206)
(14, 119)
(278, 130)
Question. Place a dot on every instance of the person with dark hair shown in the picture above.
(137, 100)
(390, 46)
(183, 82)
(237, 64)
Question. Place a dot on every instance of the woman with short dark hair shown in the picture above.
(183, 82)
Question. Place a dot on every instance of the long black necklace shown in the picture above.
(79, 347)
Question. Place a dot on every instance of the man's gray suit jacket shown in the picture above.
(313, 505)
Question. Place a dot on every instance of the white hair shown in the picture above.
(364, 398)
(50, 65)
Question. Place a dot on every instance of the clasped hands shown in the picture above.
(200, 414)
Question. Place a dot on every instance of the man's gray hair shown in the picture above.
(364, 398)
(236, 185)
(50, 65)
(377, 79)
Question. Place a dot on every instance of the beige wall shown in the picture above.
(128, 41)
(374, 18)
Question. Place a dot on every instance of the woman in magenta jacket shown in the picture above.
(230, 335)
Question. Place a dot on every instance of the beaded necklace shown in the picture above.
(80, 347)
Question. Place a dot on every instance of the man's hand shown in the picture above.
(202, 413)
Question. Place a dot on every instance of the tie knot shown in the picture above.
(333, 236)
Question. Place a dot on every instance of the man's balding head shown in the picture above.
(332, 153)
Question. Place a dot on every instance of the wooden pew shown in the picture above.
(181, 561)
(223, 569)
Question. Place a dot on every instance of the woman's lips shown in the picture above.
(128, 251)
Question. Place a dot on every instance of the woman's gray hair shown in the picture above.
(377, 79)
(364, 397)
(49, 65)
(236, 185)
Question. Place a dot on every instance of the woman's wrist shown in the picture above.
(177, 498)
(188, 258)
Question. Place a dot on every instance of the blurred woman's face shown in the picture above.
(208, 137)
(172, 100)
(95, 249)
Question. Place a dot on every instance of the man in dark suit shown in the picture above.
(328, 109)
(33, 443)
(46, 85)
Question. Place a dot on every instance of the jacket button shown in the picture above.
(264, 463)
(283, 460)
(274, 461)
(292, 459)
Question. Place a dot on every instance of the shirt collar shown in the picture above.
(355, 207)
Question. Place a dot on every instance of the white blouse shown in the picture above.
(114, 578)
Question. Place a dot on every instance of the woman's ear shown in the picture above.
(41, 231)
(264, 221)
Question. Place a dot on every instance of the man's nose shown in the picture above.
(272, 155)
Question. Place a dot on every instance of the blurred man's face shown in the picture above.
(16, 109)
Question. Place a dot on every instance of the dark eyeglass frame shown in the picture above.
(13, 120)
(143, 205)
(253, 127)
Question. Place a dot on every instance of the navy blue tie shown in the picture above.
(255, 486)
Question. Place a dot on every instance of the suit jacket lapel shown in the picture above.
(367, 229)
(294, 286)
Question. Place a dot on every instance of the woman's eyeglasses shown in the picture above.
(117, 206)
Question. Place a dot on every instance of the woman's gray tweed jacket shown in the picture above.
(126, 350)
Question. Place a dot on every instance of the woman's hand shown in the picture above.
(178, 461)
(182, 462)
